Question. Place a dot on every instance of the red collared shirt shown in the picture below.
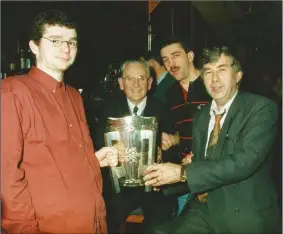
(50, 178)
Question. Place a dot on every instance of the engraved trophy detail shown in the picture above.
(135, 136)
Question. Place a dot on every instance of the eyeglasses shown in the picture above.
(130, 80)
(58, 43)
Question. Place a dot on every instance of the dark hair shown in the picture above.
(153, 55)
(173, 40)
(50, 17)
(212, 55)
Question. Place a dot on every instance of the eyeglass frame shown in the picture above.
(61, 42)
(131, 80)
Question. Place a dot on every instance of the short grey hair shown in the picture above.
(139, 61)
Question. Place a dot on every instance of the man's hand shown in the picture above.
(169, 140)
(160, 174)
(188, 158)
(107, 156)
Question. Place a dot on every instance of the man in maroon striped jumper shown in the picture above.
(183, 98)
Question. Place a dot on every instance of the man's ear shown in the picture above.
(121, 83)
(149, 83)
(33, 47)
(152, 63)
(191, 56)
(239, 76)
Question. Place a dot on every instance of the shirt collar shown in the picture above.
(225, 108)
(48, 81)
(140, 106)
(161, 77)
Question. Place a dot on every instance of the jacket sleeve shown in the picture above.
(18, 215)
(250, 148)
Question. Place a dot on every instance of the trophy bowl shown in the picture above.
(135, 137)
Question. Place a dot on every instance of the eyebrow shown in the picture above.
(58, 36)
(173, 53)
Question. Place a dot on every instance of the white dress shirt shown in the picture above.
(140, 106)
(214, 109)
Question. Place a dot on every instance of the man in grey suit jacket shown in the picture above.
(235, 179)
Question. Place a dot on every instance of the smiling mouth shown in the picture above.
(175, 70)
(215, 89)
(63, 58)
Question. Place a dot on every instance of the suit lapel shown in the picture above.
(231, 115)
(201, 132)
(123, 108)
(149, 108)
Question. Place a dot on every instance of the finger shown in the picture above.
(152, 168)
(151, 176)
(154, 182)
(112, 162)
(186, 160)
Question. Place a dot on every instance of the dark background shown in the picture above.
(115, 30)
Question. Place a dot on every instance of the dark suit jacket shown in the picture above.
(241, 195)
(162, 87)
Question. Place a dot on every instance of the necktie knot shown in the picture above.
(218, 117)
(135, 111)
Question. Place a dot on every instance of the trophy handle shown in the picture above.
(151, 154)
(115, 174)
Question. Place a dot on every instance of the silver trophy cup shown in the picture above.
(135, 137)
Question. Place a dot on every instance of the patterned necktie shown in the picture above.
(211, 147)
(135, 111)
(214, 135)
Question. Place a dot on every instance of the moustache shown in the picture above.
(173, 69)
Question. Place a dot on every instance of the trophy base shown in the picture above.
(131, 182)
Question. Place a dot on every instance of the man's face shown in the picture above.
(135, 82)
(55, 58)
(220, 80)
(177, 61)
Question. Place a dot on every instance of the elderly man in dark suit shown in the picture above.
(229, 172)
(135, 84)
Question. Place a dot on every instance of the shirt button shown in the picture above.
(89, 166)
(80, 145)
(53, 90)
(71, 125)
(236, 210)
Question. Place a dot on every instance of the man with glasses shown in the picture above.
(50, 176)
(135, 84)
(229, 174)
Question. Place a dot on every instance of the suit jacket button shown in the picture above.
(236, 210)
(235, 185)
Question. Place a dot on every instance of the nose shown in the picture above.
(136, 82)
(65, 46)
(215, 76)
(171, 62)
